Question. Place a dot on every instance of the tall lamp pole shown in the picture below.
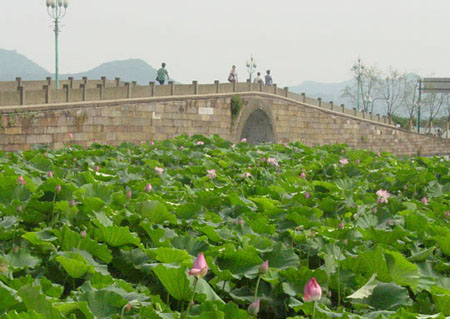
(251, 66)
(56, 9)
(359, 68)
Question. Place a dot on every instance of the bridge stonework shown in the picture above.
(265, 117)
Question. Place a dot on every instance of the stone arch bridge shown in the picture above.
(126, 112)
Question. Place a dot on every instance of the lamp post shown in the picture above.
(358, 69)
(251, 66)
(56, 9)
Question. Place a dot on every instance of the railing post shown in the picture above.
(363, 113)
(249, 83)
(331, 105)
(128, 86)
(354, 111)
(46, 93)
(275, 89)
(286, 91)
(49, 81)
(22, 95)
(378, 117)
(384, 119)
(152, 88)
(103, 81)
(85, 80)
(134, 83)
(371, 116)
(172, 87)
(83, 90)
(100, 89)
(66, 88)
(342, 108)
(117, 82)
(261, 86)
(234, 86)
(19, 81)
(304, 97)
(195, 83)
(320, 101)
(70, 82)
(216, 82)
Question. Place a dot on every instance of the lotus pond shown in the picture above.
(113, 232)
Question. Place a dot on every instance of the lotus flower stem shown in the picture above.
(192, 299)
(314, 310)
(257, 286)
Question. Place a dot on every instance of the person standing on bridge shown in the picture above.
(233, 77)
(257, 78)
(268, 78)
(162, 74)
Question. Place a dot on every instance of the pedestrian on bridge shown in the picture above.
(268, 78)
(257, 79)
(233, 77)
(162, 74)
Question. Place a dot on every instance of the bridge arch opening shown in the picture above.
(258, 128)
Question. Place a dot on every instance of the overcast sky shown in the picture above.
(200, 39)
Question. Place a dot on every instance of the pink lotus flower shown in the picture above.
(200, 143)
(96, 168)
(21, 180)
(272, 161)
(343, 161)
(49, 174)
(307, 195)
(148, 187)
(152, 143)
(159, 170)
(303, 175)
(424, 200)
(70, 135)
(211, 173)
(243, 140)
(285, 144)
(263, 159)
(382, 196)
(246, 175)
(129, 194)
(264, 267)
(313, 291)
(253, 309)
(200, 268)
(83, 233)
(342, 151)
(58, 188)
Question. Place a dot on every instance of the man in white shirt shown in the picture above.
(257, 78)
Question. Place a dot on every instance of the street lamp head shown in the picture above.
(60, 3)
(48, 3)
(66, 4)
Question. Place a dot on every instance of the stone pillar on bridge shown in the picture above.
(100, 91)
(195, 83)
(128, 86)
(49, 81)
(46, 93)
(117, 81)
(216, 82)
(103, 81)
(286, 91)
(19, 81)
(331, 105)
(85, 81)
(274, 89)
(342, 108)
(70, 82)
(303, 96)
(172, 87)
(83, 91)
(249, 85)
(319, 99)
(66, 88)
(234, 86)
(261, 86)
(21, 95)
(152, 88)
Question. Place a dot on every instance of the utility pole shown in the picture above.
(419, 102)
(56, 9)
(359, 68)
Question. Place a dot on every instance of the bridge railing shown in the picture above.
(71, 91)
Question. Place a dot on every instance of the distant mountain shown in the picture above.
(326, 91)
(128, 70)
(13, 64)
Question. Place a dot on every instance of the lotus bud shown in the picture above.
(264, 267)
(58, 188)
(307, 195)
(424, 200)
(72, 203)
(21, 180)
(200, 267)
(49, 174)
(83, 233)
(129, 194)
(253, 309)
(128, 307)
(96, 168)
(19, 208)
(313, 291)
(148, 187)
(447, 214)
(341, 225)
(70, 135)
